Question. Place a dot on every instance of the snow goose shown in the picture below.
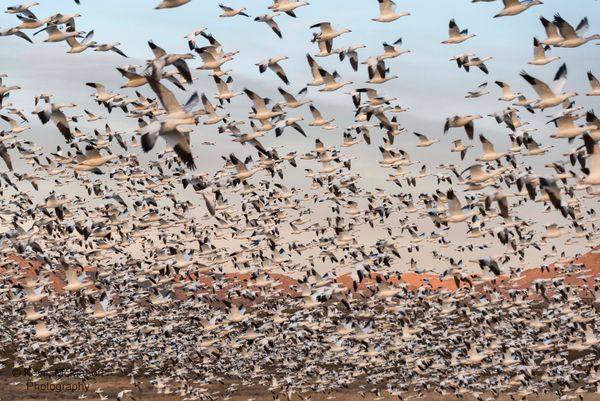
(242, 171)
(455, 210)
(191, 37)
(489, 154)
(52, 111)
(507, 94)
(102, 96)
(476, 62)
(539, 54)
(232, 12)
(387, 12)
(260, 107)
(41, 331)
(273, 64)
(549, 97)
(134, 80)
(567, 128)
(330, 83)
(327, 33)
(16, 32)
(523, 102)
(318, 120)
(455, 35)
(480, 91)
(31, 23)
(31, 315)
(458, 146)
(378, 72)
(351, 53)
(22, 9)
(210, 111)
(325, 48)
(424, 141)
(461, 59)
(4, 90)
(462, 121)
(594, 83)
(176, 115)
(15, 128)
(349, 140)
(289, 122)
(393, 50)
(56, 35)
(101, 309)
(374, 98)
(211, 57)
(514, 7)
(93, 158)
(224, 91)
(76, 47)
(92, 117)
(572, 37)
(534, 148)
(162, 59)
(287, 6)
(75, 282)
(291, 101)
(105, 47)
(269, 20)
(18, 112)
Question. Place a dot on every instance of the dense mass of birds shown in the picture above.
(159, 271)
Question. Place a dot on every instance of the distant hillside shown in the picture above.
(289, 286)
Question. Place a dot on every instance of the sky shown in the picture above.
(431, 86)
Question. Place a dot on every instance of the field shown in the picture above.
(19, 389)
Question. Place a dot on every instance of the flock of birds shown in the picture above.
(174, 277)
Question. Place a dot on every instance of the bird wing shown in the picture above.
(453, 30)
(422, 138)
(539, 51)
(550, 28)
(566, 30)
(560, 79)
(5, 156)
(325, 27)
(286, 95)
(315, 112)
(59, 118)
(180, 142)
(454, 206)
(184, 70)
(259, 102)
(583, 26)
(314, 66)
(279, 71)
(386, 7)
(273, 25)
(488, 147)
(157, 50)
(88, 37)
(593, 81)
(540, 87)
(166, 97)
